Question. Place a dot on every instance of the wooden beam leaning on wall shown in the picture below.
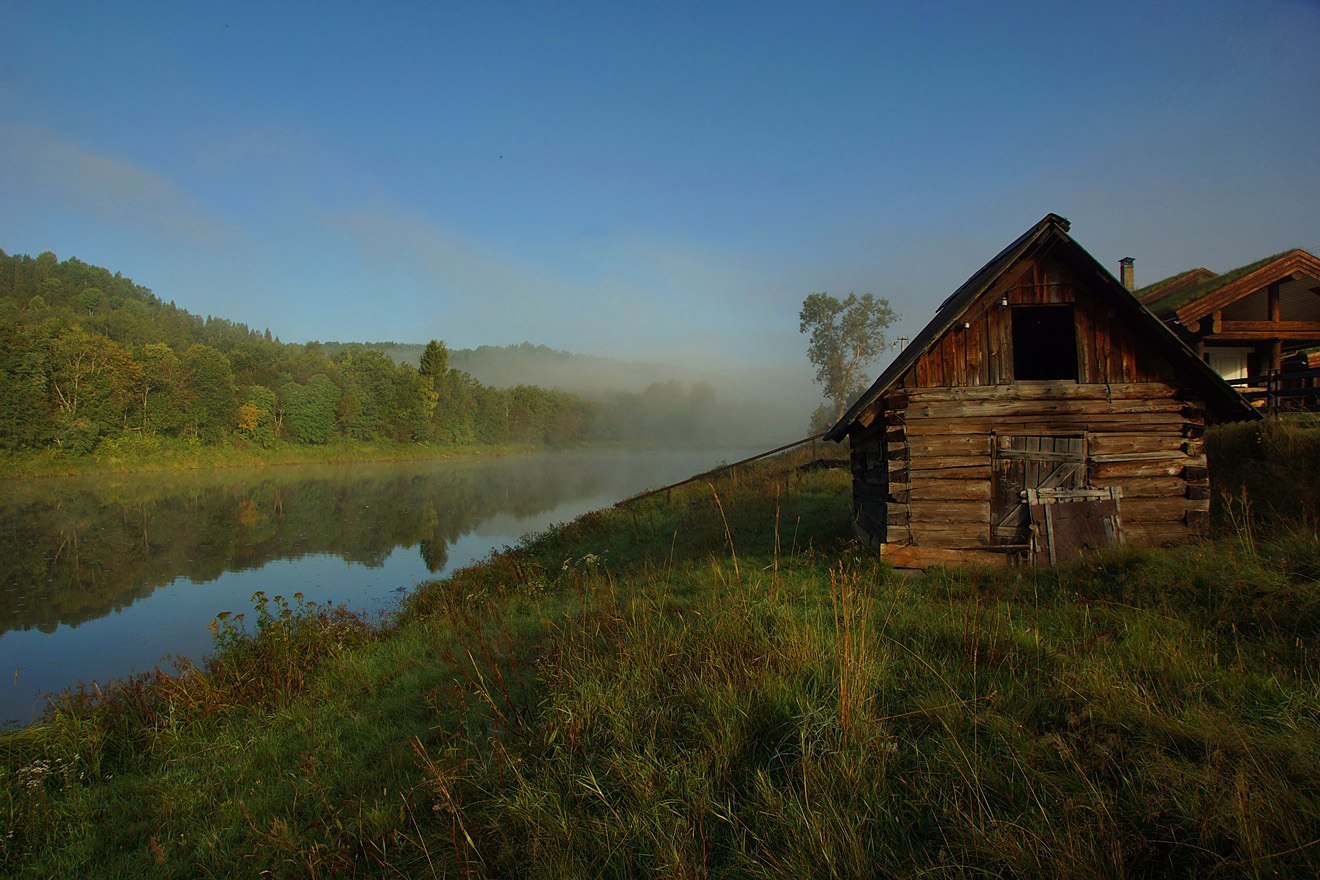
(914, 556)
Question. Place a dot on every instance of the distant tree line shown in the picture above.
(87, 355)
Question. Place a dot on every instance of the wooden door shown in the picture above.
(1021, 462)
(1070, 522)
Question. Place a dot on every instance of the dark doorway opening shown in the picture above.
(1044, 343)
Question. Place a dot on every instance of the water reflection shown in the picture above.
(103, 576)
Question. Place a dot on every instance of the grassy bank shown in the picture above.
(147, 454)
(720, 684)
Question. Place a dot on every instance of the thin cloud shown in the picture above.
(640, 306)
(105, 185)
(266, 144)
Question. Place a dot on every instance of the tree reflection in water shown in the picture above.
(72, 550)
(103, 577)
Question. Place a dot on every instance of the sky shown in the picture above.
(658, 182)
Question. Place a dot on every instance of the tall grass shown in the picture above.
(1274, 466)
(852, 645)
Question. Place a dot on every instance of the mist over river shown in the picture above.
(104, 576)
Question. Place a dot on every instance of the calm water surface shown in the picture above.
(101, 577)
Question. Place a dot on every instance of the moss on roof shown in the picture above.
(1166, 306)
(1143, 292)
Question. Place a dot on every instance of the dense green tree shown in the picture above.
(208, 382)
(93, 382)
(309, 411)
(393, 402)
(256, 415)
(367, 376)
(91, 300)
(435, 362)
(491, 419)
(846, 335)
(25, 412)
(566, 418)
(348, 411)
(158, 389)
(256, 362)
(129, 324)
(455, 410)
(302, 362)
(412, 406)
(75, 357)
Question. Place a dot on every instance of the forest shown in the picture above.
(89, 355)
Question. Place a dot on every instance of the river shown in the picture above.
(101, 577)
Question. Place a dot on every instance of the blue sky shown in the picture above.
(652, 181)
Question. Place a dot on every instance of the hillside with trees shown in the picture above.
(89, 355)
(504, 366)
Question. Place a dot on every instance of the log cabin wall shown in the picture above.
(871, 489)
(924, 454)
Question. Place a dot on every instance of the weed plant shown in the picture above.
(718, 684)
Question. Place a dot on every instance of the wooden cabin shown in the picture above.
(1043, 411)
(1247, 321)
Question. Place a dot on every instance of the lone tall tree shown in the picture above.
(845, 336)
(435, 362)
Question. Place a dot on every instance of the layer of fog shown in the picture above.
(753, 406)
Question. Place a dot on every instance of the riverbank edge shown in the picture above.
(156, 456)
(163, 455)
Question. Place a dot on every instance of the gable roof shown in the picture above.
(1049, 234)
(1195, 302)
